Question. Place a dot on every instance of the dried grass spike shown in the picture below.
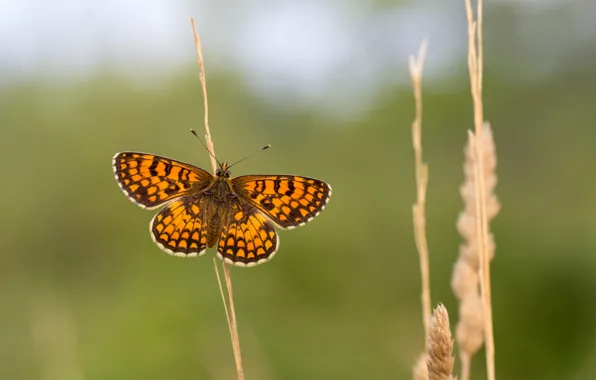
(440, 346)
(471, 329)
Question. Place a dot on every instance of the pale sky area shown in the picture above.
(311, 52)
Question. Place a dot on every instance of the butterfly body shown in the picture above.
(202, 210)
(218, 198)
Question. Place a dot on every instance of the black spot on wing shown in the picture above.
(167, 169)
(291, 188)
(152, 168)
(172, 189)
(266, 203)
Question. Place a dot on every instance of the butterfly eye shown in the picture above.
(218, 172)
(227, 174)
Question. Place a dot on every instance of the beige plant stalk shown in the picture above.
(229, 303)
(470, 331)
(420, 371)
(481, 188)
(418, 210)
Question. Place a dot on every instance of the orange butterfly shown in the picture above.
(201, 209)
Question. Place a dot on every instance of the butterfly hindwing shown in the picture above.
(289, 201)
(249, 238)
(150, 181)
(180, 228)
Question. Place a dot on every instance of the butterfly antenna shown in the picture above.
(252, 154)
(204, 146)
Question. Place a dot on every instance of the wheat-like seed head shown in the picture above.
(440, 346)
(465, 280)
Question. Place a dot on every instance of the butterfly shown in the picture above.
(201, 209)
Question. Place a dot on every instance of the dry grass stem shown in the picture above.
(440, 346)
(233, 323)
(475, 65)
(205, 99)
(223, 296)
(229, 305)
(418, 209)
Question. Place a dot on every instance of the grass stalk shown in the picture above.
(418, 209)
(475, 66)
(229, 304)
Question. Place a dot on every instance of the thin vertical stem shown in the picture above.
(233, 323)
(205, 99)
(475, 65)
(230, 312)
(465, 365)
(418, 210)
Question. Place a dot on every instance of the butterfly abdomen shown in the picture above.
(214, 227)
(218, 213)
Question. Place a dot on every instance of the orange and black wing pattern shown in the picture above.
(249, 238)
(150, 181)
(180, 228)
(289, 201)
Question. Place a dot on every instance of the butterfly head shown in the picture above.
(223, 171)
(224, 167)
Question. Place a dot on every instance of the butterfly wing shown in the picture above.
(289, 201)
(181, 227)
(150, 181)
(249, 239)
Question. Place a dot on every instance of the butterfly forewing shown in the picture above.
(289, 201)
(150, 181)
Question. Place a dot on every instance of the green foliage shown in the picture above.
(341, 299)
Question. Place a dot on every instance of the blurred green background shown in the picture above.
(85, 293)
